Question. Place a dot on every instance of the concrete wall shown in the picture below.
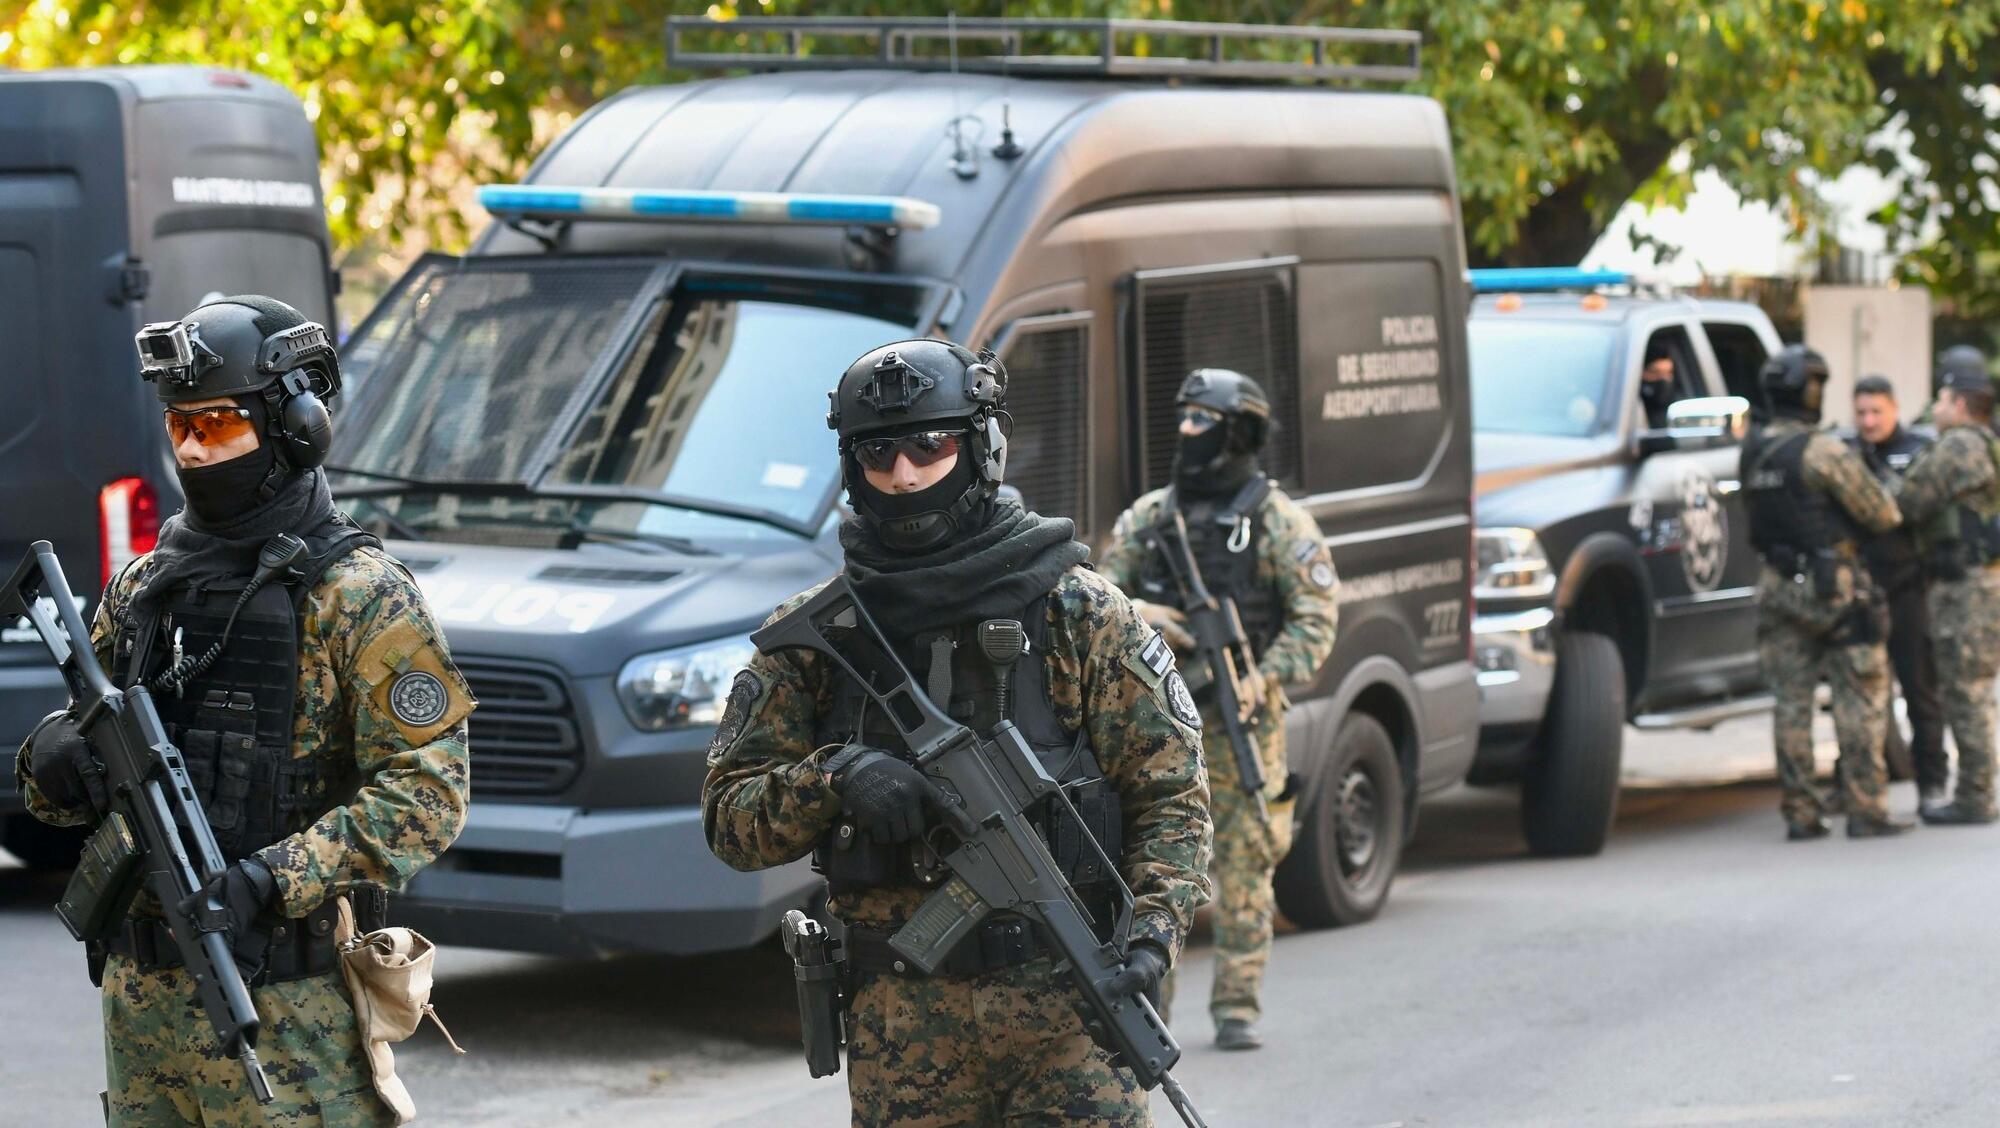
(1866, 330)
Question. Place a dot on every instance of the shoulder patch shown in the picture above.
(1182, 702)
(743, 693)
(418, 699)
(1322, 575)
(1157, 655)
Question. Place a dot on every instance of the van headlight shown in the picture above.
(684, 687)
(1511, 565)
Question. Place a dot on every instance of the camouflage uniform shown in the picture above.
(363, 627)
(1794, 626)
(1003, 1045)
(1293, 561)
(1965, 612)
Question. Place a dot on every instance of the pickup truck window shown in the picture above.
(1540, 377)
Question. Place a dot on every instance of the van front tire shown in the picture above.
(1569, 794)
(1350, 835)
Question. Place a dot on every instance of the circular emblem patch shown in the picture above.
(1705, 529)
(1181, 701)
(418, 699)
(1322, 575)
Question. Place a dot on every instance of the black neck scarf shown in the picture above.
(192, 551)
(1014, 558)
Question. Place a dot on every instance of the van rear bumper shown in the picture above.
(571, 881)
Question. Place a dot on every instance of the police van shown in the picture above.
(599, 439)
(127, 195)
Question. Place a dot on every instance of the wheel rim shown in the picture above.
(1358, 830)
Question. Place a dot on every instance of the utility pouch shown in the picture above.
(822, 1003)
(106, 879)
(1826, 575)
(388, 974)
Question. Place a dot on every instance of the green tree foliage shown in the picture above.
(1561, 110)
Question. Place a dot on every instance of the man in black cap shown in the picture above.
(1951, 499)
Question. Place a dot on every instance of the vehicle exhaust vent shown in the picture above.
(580, 574)
(1047, 360)
(524, 735)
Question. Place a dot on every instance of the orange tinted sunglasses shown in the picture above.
(210, 426)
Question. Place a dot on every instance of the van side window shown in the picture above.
(1739, 352)
(1048, 373)
(1238, 317)
(1667, 373)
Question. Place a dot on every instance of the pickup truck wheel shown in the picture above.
(40, 846)
(1350, 835)
(1569, 795)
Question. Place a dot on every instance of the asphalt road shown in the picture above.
(1701, 972)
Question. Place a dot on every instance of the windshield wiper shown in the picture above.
(387, 485)
(395, 524)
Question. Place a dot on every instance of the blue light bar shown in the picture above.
(1544, 279)
(534, 201)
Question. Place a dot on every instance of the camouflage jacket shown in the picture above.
(1831, 467)
(767, 802)
(1292, 559)
(1957, 468)
(363, 628)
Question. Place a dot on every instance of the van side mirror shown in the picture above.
(1702, 423)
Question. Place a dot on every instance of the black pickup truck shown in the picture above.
(1614, 581)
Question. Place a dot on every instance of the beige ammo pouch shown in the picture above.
(388, 972)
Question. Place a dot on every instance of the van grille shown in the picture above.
(1243, 319)
(1046, 370)
(524, 734)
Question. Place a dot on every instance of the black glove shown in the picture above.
(884, 796)
(65, 771)
(1145, 967)
(232, 901)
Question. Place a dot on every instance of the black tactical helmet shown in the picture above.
(1962, 368)
(909, 387)
(1245, 409)
(1792, 380)
(250, 346)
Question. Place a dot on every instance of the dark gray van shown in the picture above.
(599, 439)
(127, 194)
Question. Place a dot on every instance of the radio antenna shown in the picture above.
(964, 157)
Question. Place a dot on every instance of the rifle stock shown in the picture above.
(150, 792)
(984, 790)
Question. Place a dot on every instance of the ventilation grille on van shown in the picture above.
(524, 733)
(1239, 318)
(1047, 365)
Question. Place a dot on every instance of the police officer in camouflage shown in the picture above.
(319, 714)
(800, 765)
(1819, 615)
(1258, 547)
(1951, 499)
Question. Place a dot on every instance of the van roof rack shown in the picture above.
(1066, 48)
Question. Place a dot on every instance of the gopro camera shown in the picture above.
(165, 350)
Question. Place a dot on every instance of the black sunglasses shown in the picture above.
(922, 449)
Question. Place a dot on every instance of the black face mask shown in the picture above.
(1197, 453)
(927, 518)
(224, 492)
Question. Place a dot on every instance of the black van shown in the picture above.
(126, 195)
(599, 439)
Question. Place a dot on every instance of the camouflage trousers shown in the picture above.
(164, 1067)
(1247, 853)
(1795, 660)
(1000, 1048)
(1965, 623)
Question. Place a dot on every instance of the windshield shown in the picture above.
(1539, 377)
(720, 406)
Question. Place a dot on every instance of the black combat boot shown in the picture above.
(1861, 827)
(1807, 832)
(1932, 798)
(1961, 811)
(1237, 1034)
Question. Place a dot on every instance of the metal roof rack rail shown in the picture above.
(1066, 48)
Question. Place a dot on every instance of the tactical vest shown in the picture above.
(234, 721)
(850, 862)
(1225, 540)
(1790, 523)
(1965, 535)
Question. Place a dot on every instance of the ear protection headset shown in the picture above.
(308, 371)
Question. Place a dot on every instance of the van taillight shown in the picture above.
(128, 523)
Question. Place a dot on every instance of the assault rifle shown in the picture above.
(155, 833)
(1224, 648)
(984, 789)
